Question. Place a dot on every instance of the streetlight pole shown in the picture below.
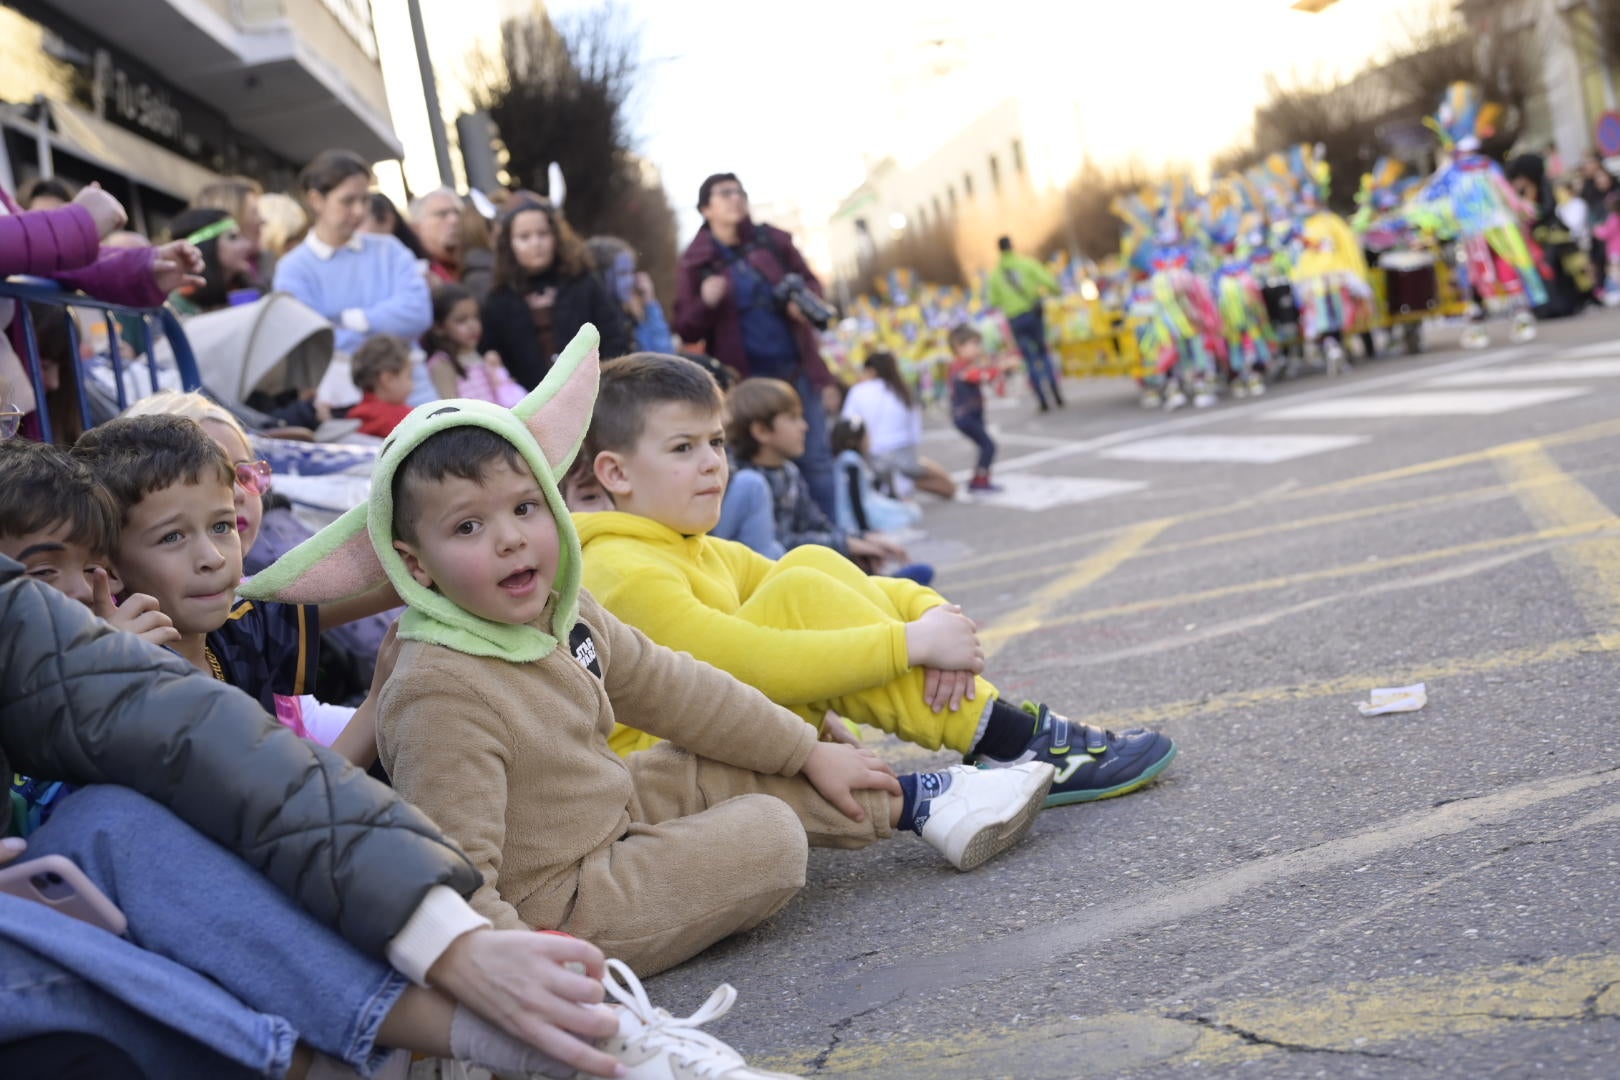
(430, 91)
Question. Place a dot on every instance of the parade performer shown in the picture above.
(1178, 321)
(1496, 260)
(1330, 275)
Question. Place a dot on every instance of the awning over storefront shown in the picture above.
(282, 72)
(125, 152)
(106, 146)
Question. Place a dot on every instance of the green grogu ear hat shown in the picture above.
(355, 553)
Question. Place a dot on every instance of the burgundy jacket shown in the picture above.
(720, 327)
(62, 245)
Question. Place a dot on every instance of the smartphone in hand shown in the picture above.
(54, 881)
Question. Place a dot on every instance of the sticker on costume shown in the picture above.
(584, 648)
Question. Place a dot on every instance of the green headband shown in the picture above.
(214, 231)
(355, 553)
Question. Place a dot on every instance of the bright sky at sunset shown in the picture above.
(795, 97)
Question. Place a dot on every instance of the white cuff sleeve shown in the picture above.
(355, 319)
(442, 917)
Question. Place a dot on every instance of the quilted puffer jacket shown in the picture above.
(83, 703)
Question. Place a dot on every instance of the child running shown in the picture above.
(454, 365)
(496, 718)
(969, 372)
(811, 630)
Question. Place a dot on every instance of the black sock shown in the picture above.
(917, 791)
(1006, 732)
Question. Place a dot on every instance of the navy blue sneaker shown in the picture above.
(1091, 762)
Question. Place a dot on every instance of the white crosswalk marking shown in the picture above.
(1449, 403)
(1246, 449)
(1549, 371)
(1027, 491)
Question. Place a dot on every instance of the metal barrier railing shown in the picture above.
(28, 290)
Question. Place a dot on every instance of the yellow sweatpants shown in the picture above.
(815, 588)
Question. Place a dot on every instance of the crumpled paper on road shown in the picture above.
(1395, 699)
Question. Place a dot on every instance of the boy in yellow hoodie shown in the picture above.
(495, 720)
(811, 630)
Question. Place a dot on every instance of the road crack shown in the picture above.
(1254, 1038)
(819, 1062)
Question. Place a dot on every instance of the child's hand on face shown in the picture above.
(839, 771)
(944, 638)
(138, 614)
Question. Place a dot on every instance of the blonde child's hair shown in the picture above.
(192, 405)
(284, 222)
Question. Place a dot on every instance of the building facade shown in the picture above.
(155, 98)
(997, 174)
(1577, 79)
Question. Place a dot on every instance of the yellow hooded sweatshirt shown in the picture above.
(810, 630)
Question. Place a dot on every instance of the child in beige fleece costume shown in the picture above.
(496, 719)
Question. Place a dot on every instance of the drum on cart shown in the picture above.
(1408, 284)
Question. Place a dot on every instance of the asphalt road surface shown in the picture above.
(1305, 892)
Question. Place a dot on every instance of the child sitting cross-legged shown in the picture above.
(810, 630)
(495, 720)
(765, 426)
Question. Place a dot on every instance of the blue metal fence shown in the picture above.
(26, 290)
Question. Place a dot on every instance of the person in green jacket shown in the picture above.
(1018, 284)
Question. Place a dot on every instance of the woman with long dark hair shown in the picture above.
(544, 292)
(884, 402)
(385, 220)
(227, 260)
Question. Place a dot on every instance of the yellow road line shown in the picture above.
(1391, 675)
(1601, 430)
(1008, 628)
(1371, 1017)
(1552, 498)
(1085, 572)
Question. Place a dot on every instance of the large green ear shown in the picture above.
(558, 411)
(336, 563)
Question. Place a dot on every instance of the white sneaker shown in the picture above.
(1475, 337)
(985, 811)
(1335, 357)
(654, 1045)
(1524, 328)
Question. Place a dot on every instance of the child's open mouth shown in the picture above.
(520, 583)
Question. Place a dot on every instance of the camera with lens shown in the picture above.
(792, 289)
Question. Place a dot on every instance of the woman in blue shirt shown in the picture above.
(363, 283)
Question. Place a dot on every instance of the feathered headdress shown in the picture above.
(1465, 119)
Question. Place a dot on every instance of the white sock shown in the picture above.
(477, 1042)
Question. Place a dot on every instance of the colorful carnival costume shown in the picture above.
(1496, 260)
(1179, 322)
(1330, 276)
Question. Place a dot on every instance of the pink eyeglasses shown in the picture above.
(254, 476)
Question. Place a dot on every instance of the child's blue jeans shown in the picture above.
(219, 974)
(971, 424)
